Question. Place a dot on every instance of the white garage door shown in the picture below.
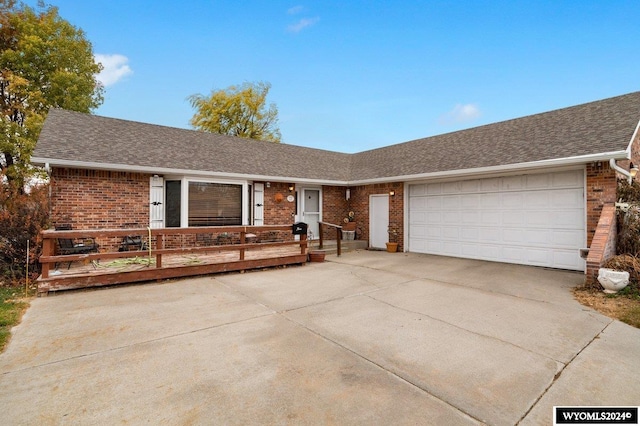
(535, 219)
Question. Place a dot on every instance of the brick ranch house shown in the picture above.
(532, 190)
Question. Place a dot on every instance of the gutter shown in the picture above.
(614, 166)
(447, 174)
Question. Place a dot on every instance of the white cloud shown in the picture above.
(461, 114)
(115, 68)
(295, 10)
(302, 24)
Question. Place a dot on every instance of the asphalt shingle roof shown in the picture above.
(588, 129)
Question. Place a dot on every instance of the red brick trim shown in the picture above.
(603, 245)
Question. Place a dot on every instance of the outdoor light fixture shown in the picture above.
(633, 170)
(392, 193)
(291, 187)
(347, 194)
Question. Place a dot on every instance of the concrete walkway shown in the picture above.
(367, 338)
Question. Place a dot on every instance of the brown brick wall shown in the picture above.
(90, 199)
(335, 208)
(359, 203)
(601, 191)
(277, 210)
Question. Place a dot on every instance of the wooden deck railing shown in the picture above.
(239, 239)
(338, 235)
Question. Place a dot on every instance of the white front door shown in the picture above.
(311, 213)
(258, 204)
(156, 202)
(378, 221)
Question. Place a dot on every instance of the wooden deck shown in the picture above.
(109, 267)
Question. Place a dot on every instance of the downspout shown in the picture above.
(614, 166)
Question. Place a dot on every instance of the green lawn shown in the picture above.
(12, 306)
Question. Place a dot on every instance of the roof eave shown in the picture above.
(533, 165)
(53, 162)
(633, 137)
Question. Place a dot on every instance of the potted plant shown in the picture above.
(392, 245)
(349, 227)
(350, 222)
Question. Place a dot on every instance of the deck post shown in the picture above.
(339, 240)
(320, 232)
(303, 245)
(159, 246)
(47, 250)
(242, 241)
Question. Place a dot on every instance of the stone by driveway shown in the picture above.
(367, 338)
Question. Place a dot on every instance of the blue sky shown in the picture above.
(356, 75)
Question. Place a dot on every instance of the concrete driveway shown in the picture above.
(367, 338)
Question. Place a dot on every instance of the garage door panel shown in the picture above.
(471, 233)
(567, 219)
(536, 237)
(539, 181)
(490, 200)
(513, 218)
(419, 231)
(491, 234)
(434, 233)
(451, 232)
(572, 178)
(418, 218)
(470, 217)
(514, 183)
(536, 199)
(490, 185)
(562, 198)
(418, 245)
(537, 218)
(450, 202)
(433, 203)
(539, 256)
(490, 217)
(417, 190)
(470, 201)
(563, 259)
(514, 254)
(566, 238)
(433, 189)
(513, 235)
(419, 203)
(532, 219)
(469, 186)
(452, 217)
(434, 218)
(512, 200)
(451, 188)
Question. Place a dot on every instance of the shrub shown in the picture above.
(22, 217)
(628, 192)
(628, 241)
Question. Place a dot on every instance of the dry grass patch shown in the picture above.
(624, 306)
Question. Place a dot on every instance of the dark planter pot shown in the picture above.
(316, 256)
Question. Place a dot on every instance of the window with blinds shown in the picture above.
(214, 204)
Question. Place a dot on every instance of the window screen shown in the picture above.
(172, 204)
